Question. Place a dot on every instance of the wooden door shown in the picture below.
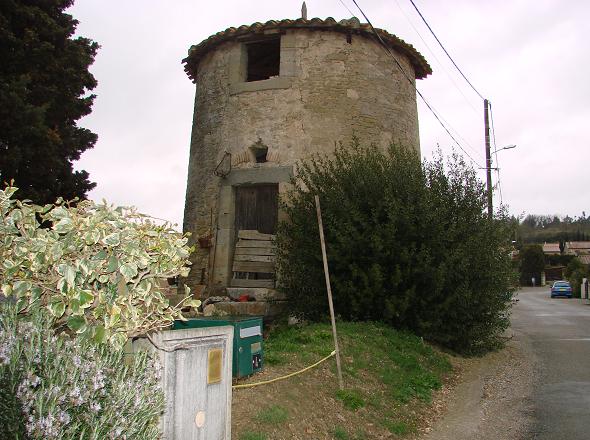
(257, 208)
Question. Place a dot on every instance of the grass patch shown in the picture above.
(387, 372)
(399, 428)
(360, 435)
(340, 433)
(274, 359)
(408, 367)
(315, 338)
(273, 415)
(351, 399)
(253, 436)
(390, 374)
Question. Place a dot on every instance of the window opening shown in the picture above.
(260, 152)
(263, 59)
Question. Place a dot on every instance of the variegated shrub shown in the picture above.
(97, 268)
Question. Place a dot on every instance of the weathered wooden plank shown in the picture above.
(236, 282)
(258, 267)
(257, 207)
(248, 234)
(254, 244)
(256, 251)
(260, 258)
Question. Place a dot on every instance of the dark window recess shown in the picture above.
(263, 59)
(259, 153)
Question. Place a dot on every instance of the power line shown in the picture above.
(434, 56)
(496, 153)
(386, 47)
(465, 141)
(443, 48)
(344, 4)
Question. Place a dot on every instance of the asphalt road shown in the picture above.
(558, 333)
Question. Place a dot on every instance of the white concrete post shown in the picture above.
(196, 379)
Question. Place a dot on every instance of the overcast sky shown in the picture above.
(528, 57)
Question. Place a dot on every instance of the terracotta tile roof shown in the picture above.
(551, 248)
(578, 244)
(353, 26)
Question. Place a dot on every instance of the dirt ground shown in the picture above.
(310, 401)
(491, 400)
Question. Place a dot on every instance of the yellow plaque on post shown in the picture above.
(214, 366)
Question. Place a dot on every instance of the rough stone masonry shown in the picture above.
(269, 95)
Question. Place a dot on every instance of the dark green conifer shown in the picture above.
(44, 85)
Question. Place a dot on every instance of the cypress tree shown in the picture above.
(44, 85)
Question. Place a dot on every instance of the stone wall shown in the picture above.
(328, 90)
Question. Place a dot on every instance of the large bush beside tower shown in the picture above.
(409, 243)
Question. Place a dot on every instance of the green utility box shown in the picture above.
(247, 345)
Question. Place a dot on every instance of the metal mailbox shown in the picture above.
(247, 356)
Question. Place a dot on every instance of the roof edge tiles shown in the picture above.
(353, 26)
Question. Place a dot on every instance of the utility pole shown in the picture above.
(488, 157)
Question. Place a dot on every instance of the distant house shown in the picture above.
(554, 273)
(551, 249)
(577, 248)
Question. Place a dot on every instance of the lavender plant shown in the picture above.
(57, 387)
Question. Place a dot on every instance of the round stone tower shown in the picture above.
(269, 95)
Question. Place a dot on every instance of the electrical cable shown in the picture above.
(434, 56)
(276, 379)
(465, 141)
(496, 153)
(386, 47)
(443, 48)
(347, 8)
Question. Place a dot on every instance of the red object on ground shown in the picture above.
(244, 298)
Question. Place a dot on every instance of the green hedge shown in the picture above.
(409, 243)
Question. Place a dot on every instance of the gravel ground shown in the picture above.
(492, 398)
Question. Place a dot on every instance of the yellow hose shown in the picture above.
(250, 385)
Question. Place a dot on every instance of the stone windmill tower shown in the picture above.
(269, 95)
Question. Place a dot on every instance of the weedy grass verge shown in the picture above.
(390, 377)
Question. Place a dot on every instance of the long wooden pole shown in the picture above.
(329, 289)
(486, 121)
